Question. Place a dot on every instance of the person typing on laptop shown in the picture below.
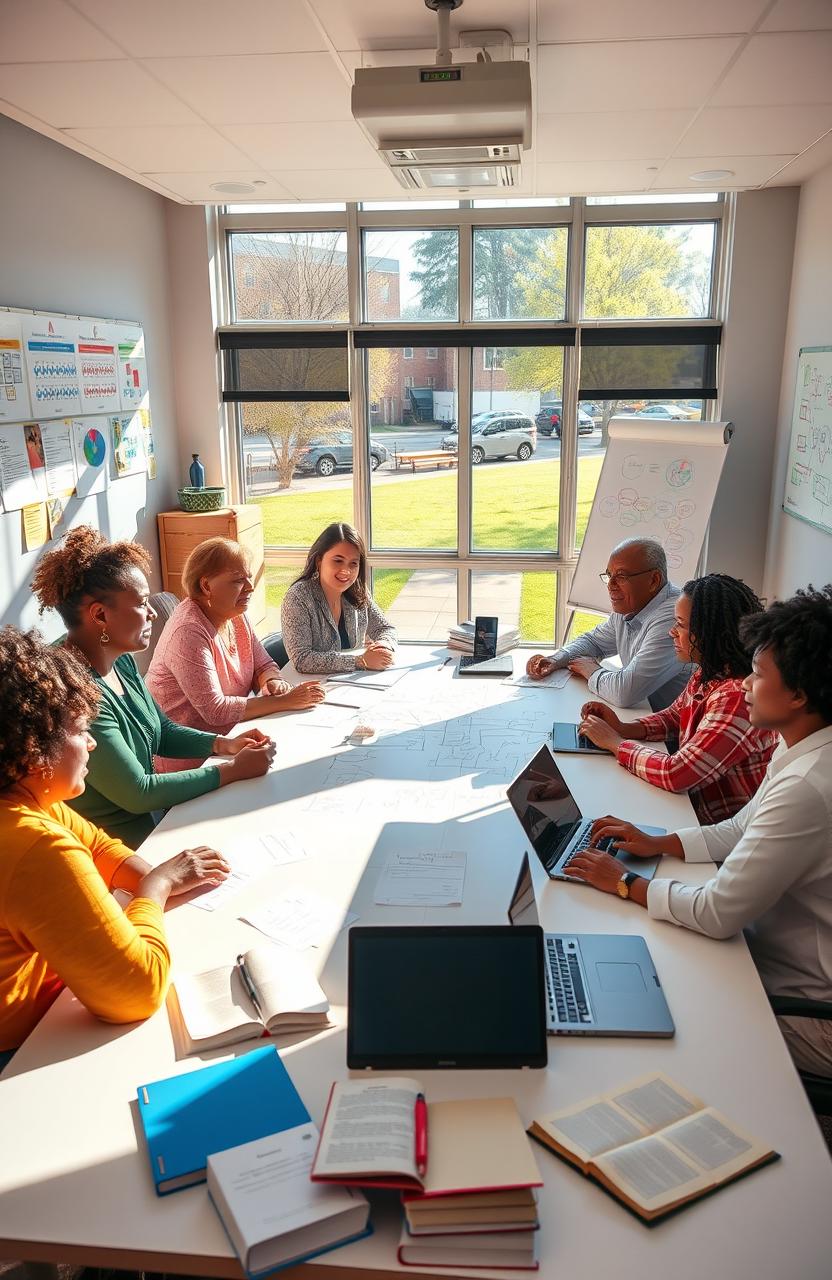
(722, 757)
(642, 600)
(775, 877)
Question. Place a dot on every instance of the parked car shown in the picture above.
(325, 457)
(586, 424)
(489, 415)
(677, 412)
(548, 417)
(502, 435)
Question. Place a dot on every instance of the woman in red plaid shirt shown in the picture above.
(721, 758)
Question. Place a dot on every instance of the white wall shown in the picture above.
(797, 553)
(78, 238)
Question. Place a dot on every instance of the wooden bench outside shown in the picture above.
(427, 457)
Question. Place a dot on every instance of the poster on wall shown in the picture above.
(35, 526)
(98, 365)
(132, 367)
(92, 453)
(15, 404)
(50, 346)
(128, 444)
(23, 483)
(149, 446)
(808, 489)
(59, 457)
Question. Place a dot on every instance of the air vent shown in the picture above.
(433, 177)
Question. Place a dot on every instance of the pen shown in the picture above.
(249, 986)
(420, 1118)
(445, 663)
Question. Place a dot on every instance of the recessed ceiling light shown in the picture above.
(711, 175)
(232, 188)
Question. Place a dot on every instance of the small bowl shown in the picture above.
(199, 500)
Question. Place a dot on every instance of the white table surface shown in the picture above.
(75, 1182)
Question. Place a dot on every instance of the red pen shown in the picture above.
(420, 1118)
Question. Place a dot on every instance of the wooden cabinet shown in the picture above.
(180, 532)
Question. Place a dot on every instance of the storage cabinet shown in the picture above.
(180, 532)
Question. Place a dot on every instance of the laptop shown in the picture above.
(597, 984)
(430, 996)
(484, 661)
(549, 815)
(566, 737)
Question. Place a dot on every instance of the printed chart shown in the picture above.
(808, 491)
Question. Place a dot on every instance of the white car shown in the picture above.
(496, 435)
(677, 412)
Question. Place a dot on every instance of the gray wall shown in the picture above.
(77, 238)
(797, 553)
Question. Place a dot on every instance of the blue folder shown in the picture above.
(186, 1118)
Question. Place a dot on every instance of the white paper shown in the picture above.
(253, 858)
(128, 444)
(15, 405)
(98, 367)
(133, 386)
(52, 365)
(557, 680)
(22, 484)
(369, 679)
(90, 442)
(300, 920)
(422, 880)
(59, 456)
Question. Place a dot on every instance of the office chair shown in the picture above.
(164, 603)
(275, 648)
(818, 1088)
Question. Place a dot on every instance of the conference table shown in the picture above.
(75, 1181)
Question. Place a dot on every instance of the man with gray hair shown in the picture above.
(637, 630)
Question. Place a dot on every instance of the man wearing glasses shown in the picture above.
(637, 630)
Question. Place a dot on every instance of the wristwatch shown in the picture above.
(623, 886)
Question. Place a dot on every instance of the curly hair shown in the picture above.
(358, 595)
(717, 604)
(43, 689)
(798, 634)
(85, 564)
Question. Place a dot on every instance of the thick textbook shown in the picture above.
(368, 1139)
(188, 1117)
(273, 1215)
(652, 1144)
(212, 1009)
(514, 1251)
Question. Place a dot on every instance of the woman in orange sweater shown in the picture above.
(59, 923)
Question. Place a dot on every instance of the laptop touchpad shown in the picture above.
(620, 978)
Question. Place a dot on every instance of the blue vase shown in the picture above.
(197, 473)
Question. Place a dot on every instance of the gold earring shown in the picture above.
(47, 774)
(104, 638)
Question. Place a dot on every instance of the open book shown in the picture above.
(652, 1144)
(368, 1139)
(214, 1008)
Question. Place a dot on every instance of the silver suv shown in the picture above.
(499, 435)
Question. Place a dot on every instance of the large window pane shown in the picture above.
(645, 272)
(279, 579)
(412, 275)
(520, 273)
(515, 448)
(298, 276)
(524, 600)
(297, 464)
(413, 412)
(420, 603)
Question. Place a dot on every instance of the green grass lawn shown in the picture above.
(515, 509)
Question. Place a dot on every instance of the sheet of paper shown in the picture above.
(59, 457)
(300, 920)
(248, 860)
(369, 679)
(35, 526)
(98, 367)
(133, 387)
(51, 348)
(128, 444)
(22, 469)
(90, 438)
(422, 880)
(357, 697)
(15, 404)
(556, 680)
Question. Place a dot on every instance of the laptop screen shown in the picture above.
(544, 804)
(445, 996)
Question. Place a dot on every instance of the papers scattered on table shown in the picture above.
(556, 680)
(251, 859)
(369, 679)
(422, 880)
(300, 920)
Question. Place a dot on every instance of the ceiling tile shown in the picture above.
(774, 69)
(755, 131)
(584, 178)
(748, 171)
(49, 31)
(639, 75)
(403, 24)
(798, 170)
(564, 20)
(625, 135)
(195, 28)
(260, 89)
(357, 184)
(334, 144)
(73, 95)
(799, 15)
(157, 149)
(197, 186)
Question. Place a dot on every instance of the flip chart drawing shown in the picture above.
(808, 487)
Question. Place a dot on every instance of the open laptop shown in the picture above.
(597, 984)
(549, 815)
(484, 661)
(567, 737)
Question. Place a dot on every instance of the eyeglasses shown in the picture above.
(607, 578)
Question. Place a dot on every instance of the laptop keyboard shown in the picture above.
(606, 845)
(567, 998)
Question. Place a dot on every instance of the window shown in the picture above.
(425, 267)
(644, 272)
(407, 353)
(430, 382)
(409, 381)
(298, 276)
(520, 273)
(492, 358)
(431, 353)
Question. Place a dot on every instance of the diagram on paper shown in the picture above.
(808, 491)
(650, 497)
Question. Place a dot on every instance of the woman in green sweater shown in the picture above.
(100, 589)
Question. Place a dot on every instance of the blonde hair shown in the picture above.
(212, 556)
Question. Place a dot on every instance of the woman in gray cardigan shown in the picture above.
(328, 609)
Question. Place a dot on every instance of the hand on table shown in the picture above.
(584, 667)
(627, 837)
(253, 753)
(184, 871)
(246, 738)
(302, 695)
(593, 867)
(376, 656)
(538, 667)
(274, 687)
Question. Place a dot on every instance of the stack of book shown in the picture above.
(482, 1229)
(461, 638)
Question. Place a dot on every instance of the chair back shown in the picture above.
(163, 603)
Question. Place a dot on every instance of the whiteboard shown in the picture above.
(659, 480)
(808, 492)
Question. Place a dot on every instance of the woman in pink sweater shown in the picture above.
(209, 661)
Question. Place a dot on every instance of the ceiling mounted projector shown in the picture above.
(447, 126)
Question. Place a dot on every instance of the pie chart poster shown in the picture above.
(90, 440)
